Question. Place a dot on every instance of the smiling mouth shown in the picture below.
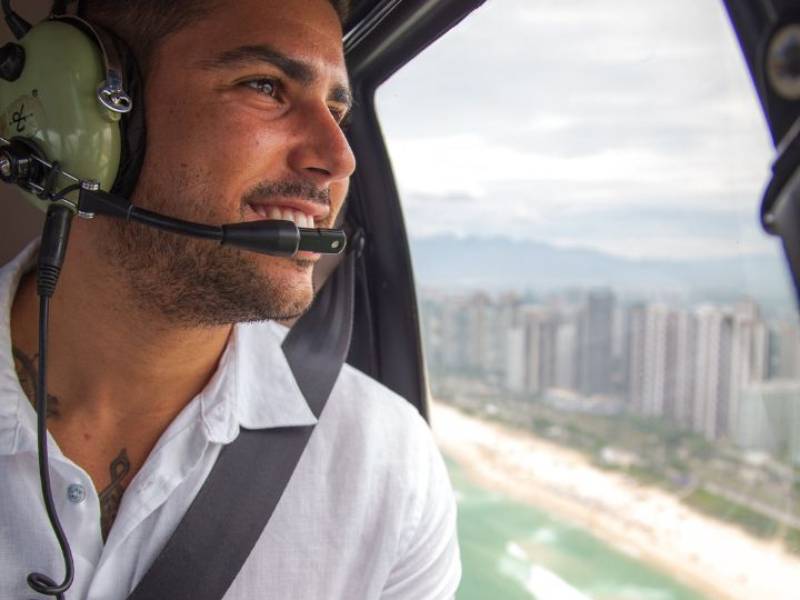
(298, 216)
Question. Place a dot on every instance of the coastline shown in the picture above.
(716, 559)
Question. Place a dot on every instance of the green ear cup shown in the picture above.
(54, 104)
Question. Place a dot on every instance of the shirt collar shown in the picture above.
(253, 386)
(15, 409)
(269, 395)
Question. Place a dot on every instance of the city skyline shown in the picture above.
(723, 372)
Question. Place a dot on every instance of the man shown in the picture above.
(161, 347)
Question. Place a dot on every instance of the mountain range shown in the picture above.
(496, 263)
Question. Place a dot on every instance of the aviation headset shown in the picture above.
(73, 90)
(72, 136)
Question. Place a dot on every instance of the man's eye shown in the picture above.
(266, 86)
(342, 117)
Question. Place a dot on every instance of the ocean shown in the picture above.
(511, 551)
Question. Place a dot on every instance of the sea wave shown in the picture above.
(632, 592)
(542, 583)
(545, 535)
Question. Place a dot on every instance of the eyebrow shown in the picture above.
(296, 70)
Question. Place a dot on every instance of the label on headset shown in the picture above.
(23, 117)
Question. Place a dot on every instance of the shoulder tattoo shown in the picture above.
(27, 374)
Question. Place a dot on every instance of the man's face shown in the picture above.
(243, 112)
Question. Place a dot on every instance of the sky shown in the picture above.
(625, 126)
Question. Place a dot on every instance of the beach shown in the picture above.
(646, 523)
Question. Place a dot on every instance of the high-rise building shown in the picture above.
(658, 350)
(595, 334)
(532, 351)
(618, 355)
(660, 361)
(479, 310)
(636, 325)
(516, 360)
(505, 317)
(566, 376)
(749, 353)
(684, 369)
(713, 372)
(453, 334)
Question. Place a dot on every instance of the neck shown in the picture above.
(109, 362)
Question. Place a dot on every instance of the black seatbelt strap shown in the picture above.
(226, 518)
(317, 345)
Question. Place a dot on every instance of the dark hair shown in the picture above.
(143, 23)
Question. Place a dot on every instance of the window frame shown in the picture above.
(386, 340)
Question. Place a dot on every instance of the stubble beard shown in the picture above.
(198, 283)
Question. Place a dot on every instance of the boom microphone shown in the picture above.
(22, 165)
(273, 237)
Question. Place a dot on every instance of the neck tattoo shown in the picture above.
(111, 496)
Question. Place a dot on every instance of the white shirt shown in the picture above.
(369, 512)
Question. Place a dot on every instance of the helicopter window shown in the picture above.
(612, 347)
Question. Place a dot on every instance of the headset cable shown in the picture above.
(51, 257)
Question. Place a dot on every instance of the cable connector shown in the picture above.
(53, 249)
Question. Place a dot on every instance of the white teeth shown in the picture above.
(276, 213)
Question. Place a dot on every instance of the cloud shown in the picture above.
(532, 110)
(656, 230)
(673, 247)
(471, 164)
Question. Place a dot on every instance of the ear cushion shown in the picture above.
(132, 124)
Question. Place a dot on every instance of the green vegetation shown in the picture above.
(751, 521)
(722, 508)
(644, 475)
(792, 540)
(540, 424)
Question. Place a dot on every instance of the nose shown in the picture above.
(321, 152)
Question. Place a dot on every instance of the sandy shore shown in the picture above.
(716, 559)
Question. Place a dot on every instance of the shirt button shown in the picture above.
(76, 493)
